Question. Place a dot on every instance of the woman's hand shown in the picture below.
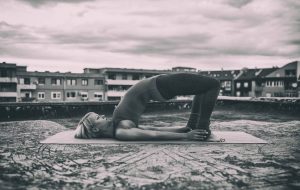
(197, 135)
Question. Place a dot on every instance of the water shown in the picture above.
(24, 163)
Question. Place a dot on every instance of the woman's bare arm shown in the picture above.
(127, 131)
(134, 134)
(169, 129)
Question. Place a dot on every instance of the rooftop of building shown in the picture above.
(126, 70)
(8, 65)
(221, 74)
(59, 74)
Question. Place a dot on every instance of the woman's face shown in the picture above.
(100, 125)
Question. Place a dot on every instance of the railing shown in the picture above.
(258, 88)
(115, 93)
(8, 94)
(8, 79)
(121, 82)
(27, 86)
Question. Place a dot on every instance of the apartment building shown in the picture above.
(56, 86)
(283, 82)
(184, 69)
(259, 81)
(119, 80)
(8, 82)
(97, 84)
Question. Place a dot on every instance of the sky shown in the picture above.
(69, 35)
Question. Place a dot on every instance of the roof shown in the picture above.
(264, 72)
(7, 65)
(58, 74)
(126, 70)
(179, 67)
(222, 74)
(247, 74)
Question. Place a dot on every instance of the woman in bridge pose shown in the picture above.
(124, 123)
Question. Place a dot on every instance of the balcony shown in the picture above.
(258, 88)
(114, 93)
(227, 88)
(8, 94)
(121, 82)
(8, 79)
(27, 86)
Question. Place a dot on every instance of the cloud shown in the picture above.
(38, 3)
(167, 31)
(238, 3)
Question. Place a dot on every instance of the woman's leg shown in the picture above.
(204, 88)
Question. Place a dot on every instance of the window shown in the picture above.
(41, 81)
(27, 95)
(290, 72)
(238, 93)
(56, 81)
(136, 77)
(71, 82)
(98, 95)
(41, 95)
(98, 82)
(124, 76)
(246, 84)
(21, 81)
(84, 82)
(227, 83)
(238, 85)
(280, 83)
(112, 76)
(84, 95)
(71, 94)
(55, 95)
(26, 80)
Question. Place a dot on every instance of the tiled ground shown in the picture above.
(24, 163)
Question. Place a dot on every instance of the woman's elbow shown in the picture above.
(122, 134)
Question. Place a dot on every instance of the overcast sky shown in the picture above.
(69, 35)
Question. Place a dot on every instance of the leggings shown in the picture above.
(205, 89)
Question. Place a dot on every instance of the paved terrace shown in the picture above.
(24, 163)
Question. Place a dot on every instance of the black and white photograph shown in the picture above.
(150, 94)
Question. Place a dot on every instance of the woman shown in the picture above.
(124, 123)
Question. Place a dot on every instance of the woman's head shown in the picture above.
(93, 125)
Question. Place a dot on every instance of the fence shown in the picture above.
(29, 110)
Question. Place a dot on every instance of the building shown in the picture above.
(259, 81)
(226, 78)
(101, 84)
(184, 69)
(283, 82)
(119, 80)
(56, 86)
(8, 82)
(243, 83)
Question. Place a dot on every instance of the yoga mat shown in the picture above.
(222, 137)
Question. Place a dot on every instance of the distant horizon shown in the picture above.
(167, 69)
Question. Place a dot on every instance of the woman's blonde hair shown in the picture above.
(84, 128)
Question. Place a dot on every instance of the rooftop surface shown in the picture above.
(25, 163)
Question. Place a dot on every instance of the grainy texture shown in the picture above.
(24, 163)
